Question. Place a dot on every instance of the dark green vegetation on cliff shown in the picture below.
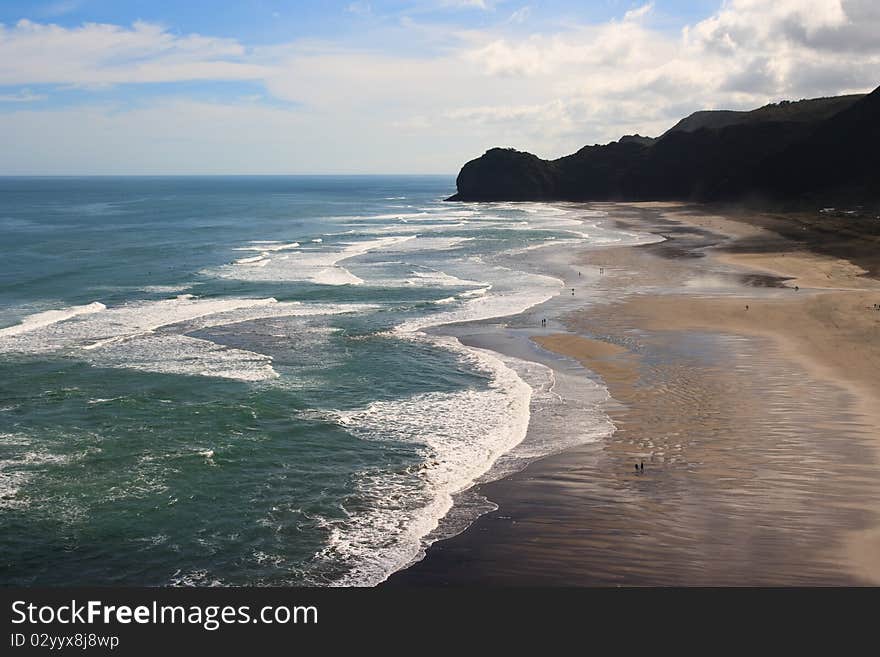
(814, 151)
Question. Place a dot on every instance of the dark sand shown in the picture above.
(758, 428)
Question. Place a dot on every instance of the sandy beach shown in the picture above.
(742, 356)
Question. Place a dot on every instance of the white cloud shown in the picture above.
(624, 75)
(101, 54)
(60, 8)
(23, 96)
(468, 4)
(456, 92)
(360, 8)
(521, 15)
(639, 13)
(790, 47)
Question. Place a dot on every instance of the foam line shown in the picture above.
(49, 317)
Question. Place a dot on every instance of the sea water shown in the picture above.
(245, 381)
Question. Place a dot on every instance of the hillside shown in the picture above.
(807, 111)
(811, 149)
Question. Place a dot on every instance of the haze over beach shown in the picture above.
(440, 293)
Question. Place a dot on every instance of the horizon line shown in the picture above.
(220, 175)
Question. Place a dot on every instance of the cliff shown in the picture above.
(811, 149)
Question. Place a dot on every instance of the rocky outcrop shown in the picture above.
(780, 151)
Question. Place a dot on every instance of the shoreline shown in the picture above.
(580, 517)
(506, 339)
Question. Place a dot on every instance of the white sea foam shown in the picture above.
(49, 317)
(465, 437)
(464, 296)
(421, 243)
(461, 434)
(470, 435)
(12, 478)
(521, 292)
(316, 265)
(152, 335)
(475, 293)
(138, 319)
(408, 228)
(435, 278)
(262, 259)
(162, 289)
(268, 247)
(103, 400)
(397, 215)
(182, 354)
(21, 460)
(200, 578)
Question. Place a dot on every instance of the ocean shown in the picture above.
(264, 380)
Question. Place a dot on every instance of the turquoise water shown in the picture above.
(234, 381)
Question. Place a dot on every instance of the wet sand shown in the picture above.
(758, 427)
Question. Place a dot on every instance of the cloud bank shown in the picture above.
(374, 106)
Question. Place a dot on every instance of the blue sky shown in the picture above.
(272, 86)
(272, 21)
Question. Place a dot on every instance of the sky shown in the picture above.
(297, 87)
